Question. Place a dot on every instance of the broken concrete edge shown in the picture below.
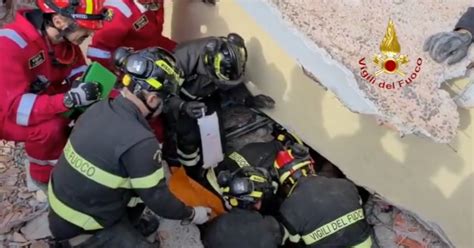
(317, 61)
(270, 19)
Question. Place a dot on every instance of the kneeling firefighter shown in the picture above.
(111, 166)
(206, 190)
(243, 226)
(213, 67)
(318, 211)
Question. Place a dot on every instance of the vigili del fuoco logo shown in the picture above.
(390, 61)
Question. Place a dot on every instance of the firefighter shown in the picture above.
(112, 162)
(44, 59)
(260, 155)
(211, 65)
(318, 211)
(243, 226)
(135, 23)
(452, 46)
(205, 190)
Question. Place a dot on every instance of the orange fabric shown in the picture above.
(192, 193)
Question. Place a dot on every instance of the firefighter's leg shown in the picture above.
(169, 145)
(43, 144)
(189, 141)
(120, 235)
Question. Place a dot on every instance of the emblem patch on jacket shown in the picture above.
(36, 60)
(140, 23)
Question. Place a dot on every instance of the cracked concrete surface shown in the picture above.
(352, 29)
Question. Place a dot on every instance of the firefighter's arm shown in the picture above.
(277, 229)
(143, 164)
(289, 230)
(240, 95)
(106, 40)
(173, 104)
(466, 22)
(24, 108)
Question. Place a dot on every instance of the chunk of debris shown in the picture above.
(18, 206)
(17, 237)
(37, 228)
(395, 227)
(188, 235)
(41, 196)
(39, 244)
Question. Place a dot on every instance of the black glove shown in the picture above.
(194, 109)
(213, 2)
(82, 94)
(260, 101)
(452, 46)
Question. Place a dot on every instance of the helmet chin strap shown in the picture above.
(141, 96)
(60, 36)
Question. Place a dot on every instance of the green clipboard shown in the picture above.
(101, 75)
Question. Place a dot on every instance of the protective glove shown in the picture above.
(194, 109)
(260, 101)
(82, 94)
(213, 2)
(452, 46)
(200, 215)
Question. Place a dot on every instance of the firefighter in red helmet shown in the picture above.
(136, 23)
(37, 83)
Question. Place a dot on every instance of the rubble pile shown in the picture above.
(23, 212)
(395, 228)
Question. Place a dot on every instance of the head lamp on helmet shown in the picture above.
(245, 187)
(151, 69)
(227, 57)
(293, 164)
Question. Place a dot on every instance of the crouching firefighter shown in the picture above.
(135, 23)
(44, 58)
(258, 154)
(207, 191)
(211, 66)
(243, 226)
(318, 211)
(149, 69)
(111, 167)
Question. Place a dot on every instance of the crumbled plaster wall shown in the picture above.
(352, 29)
